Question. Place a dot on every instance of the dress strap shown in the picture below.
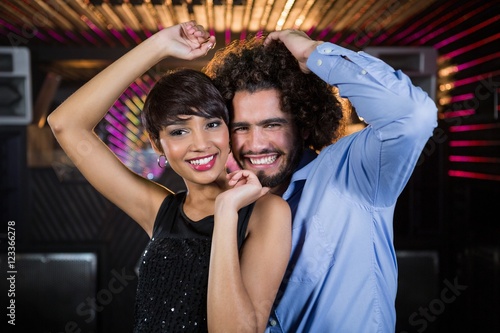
(168, 212)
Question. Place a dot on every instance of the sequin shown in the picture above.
(172, 287)
(178, 298)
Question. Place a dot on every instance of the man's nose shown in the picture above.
(257, 140)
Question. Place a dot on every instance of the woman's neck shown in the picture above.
(200, 199)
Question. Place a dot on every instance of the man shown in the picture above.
(342, 274)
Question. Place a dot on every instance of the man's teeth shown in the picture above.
(202, 161)
(264, 160)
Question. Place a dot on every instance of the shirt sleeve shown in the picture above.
(401, 116)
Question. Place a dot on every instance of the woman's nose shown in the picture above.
(201, 141)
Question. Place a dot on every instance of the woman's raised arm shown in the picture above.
(73, 121)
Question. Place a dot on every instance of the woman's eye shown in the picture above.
(177, 132)
(214, 124)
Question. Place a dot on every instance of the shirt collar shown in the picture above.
(302, 171)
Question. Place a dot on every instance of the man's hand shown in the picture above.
(297, 42)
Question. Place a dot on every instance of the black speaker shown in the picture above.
(49, 292)
(15, 86)
(417, 301)
(419, 63)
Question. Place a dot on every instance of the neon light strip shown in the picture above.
(41, 36)
(474, 143)
(9, 26)
(125, 130)
(476, 78)
(123, 155)
(243, 34)
(132, 34)
(454, 114)
(364, 39)
(114, 132)
(118, 115)
(471, 47)
(147, 33)
(311, 30)
(120, 144)
(475, 175)
(391, 37)
(89, 37)
(74, 37)
(456, 37)
(348, 40)
(475, 127)
(323, 33)
(473, 159)
(429, 29)
(335, 38)
(136, 88)
(118, 36)
(56, 36)
(97, 31)
(462, 97)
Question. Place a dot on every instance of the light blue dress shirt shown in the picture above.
(342, 275)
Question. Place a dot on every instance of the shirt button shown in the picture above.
(364, 72)
(273, 322)
(319, 62)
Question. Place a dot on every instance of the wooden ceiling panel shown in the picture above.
(126, 22)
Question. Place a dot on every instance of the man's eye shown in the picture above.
(273, 125)
(240, 129)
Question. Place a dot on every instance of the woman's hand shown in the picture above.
(187, 40)
(246, 188)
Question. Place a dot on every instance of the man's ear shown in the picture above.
(156, 146)
(304, 133)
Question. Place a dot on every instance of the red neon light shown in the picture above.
(460, 113)
(475, 78)
(475, 175)
(473, 159)
(464, 33)
(471, 47)
(475, 127)
(474, 143)
(431, 26)
(478, 61)
(463, 97)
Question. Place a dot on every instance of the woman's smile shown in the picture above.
(203, 163)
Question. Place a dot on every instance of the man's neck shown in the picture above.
(280, 189)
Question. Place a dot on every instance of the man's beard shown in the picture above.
(285, 173)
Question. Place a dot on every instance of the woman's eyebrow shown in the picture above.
(178, 121)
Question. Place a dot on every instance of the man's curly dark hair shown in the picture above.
(249, 65)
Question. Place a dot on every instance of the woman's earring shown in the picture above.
(165, 162)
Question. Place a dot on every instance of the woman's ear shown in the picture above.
(156, 145)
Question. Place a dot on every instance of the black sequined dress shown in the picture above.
(173, 277)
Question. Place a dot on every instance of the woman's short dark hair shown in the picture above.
(248, 65)
(181, 92)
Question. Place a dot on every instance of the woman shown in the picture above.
(213, 261)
